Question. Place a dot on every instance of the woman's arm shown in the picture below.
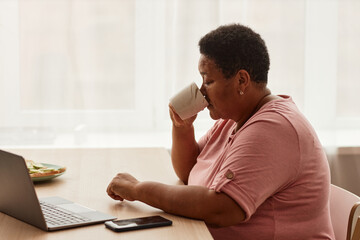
(216, 209)
(184, 150)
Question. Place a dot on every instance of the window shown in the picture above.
(110, 66)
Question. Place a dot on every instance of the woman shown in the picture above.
(260, 171)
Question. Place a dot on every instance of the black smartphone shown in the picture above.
(137, 223)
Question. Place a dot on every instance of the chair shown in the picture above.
(356, 233)
(345, 212)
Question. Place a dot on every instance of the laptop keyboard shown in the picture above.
(59, 216)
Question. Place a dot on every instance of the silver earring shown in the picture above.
(241, 92)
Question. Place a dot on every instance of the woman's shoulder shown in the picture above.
(280, 104)
(274, 116)
(280, 100)
(282, 115)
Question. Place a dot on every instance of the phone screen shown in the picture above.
(137, 223)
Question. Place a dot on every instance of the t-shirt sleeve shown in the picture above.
(261, 160)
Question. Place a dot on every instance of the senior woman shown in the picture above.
(260, 171)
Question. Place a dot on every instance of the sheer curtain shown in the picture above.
(81, 67)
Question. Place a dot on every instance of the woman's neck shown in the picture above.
(263, 98)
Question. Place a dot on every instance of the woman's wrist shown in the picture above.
(183, 126)
(137, 190)
(144, 192)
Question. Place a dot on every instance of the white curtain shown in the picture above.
(99, 66)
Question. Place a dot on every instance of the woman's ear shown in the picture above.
(243, 81)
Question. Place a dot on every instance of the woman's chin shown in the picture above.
(213, 115)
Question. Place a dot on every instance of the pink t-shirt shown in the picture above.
(274, 167)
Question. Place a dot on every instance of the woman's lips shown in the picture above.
(208, 100)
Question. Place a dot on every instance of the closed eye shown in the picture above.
(207, 83)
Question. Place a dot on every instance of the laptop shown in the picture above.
(19, 200)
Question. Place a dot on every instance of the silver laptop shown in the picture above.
(19, 200)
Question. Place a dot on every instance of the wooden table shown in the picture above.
(89, 171)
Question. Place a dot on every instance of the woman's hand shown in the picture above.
(177, 121)
(122, 187)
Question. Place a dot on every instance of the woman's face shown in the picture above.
(221, 93)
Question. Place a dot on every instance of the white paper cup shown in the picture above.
(189, 101)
